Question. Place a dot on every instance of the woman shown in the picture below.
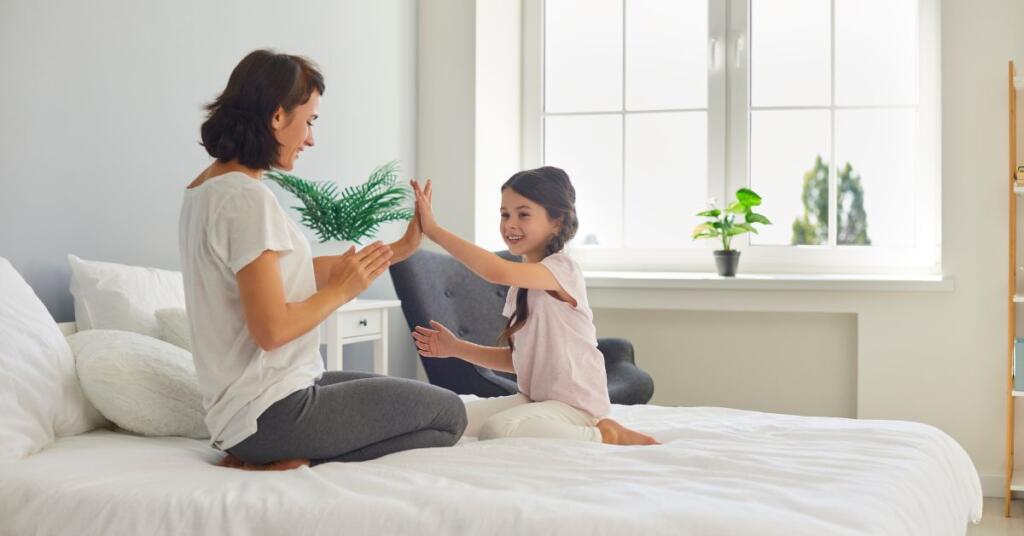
(256, 296)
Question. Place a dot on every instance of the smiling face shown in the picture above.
(294, 131)
(525, 225)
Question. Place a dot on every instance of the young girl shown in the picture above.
(550, 341)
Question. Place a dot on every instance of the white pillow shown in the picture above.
(115, 296)
(40, 397)
(142, 384)
(174, 328)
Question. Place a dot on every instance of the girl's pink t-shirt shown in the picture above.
(555, 353)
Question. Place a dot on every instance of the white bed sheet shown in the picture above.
(719, 472)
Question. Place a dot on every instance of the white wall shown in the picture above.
(934, 357)
(497, 133)
(468, 109)
(446, 107)
(100, 107)
(697, 358)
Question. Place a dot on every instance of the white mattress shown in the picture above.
(719, 471)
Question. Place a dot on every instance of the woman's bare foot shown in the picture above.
(614, 433)
(282, 465)
(231, 461)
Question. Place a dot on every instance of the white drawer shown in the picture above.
(360, 323)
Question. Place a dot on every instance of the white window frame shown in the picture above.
(728, 143)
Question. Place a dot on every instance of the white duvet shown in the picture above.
(718, 472)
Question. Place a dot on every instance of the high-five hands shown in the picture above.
(424, 198)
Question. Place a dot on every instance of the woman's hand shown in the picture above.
(437, 342)
(413, 233)
(354, 271)
(424, 198)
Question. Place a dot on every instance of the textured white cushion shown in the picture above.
(116, 296)
(174, 328)
(40, 396)
(142, 384)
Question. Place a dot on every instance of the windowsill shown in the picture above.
(814, 282)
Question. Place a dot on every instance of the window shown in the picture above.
(827, 108)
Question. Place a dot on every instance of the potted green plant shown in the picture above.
(355, 213)
(722, 224)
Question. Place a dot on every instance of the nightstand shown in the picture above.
(360, 320)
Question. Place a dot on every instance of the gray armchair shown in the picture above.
(433, 286)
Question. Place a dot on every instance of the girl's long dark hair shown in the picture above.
(550, 188)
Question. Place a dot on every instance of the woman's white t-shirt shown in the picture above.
(226, 222)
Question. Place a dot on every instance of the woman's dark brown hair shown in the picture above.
(237, 125)
(550, 188)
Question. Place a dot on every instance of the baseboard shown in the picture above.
(994, 485)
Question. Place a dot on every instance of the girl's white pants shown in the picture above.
(518, 416)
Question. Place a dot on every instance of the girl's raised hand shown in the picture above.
(424, 198)
(437, 342)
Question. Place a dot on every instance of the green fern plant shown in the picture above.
(355, 213)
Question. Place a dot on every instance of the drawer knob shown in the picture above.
(362, 322)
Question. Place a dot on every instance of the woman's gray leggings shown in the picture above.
(355, 416)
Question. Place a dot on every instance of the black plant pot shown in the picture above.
(727, 261)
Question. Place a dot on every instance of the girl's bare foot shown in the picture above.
(614, 433)
(282, 465)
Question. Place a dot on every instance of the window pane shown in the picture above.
(875, 150)
(666, 54)
(789, 158)
(876, 52)
(666, 177)
(790, 52)
(589, 149)
(582, 55)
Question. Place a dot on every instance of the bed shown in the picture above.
(719, 471)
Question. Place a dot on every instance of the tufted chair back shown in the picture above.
(434, 286)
